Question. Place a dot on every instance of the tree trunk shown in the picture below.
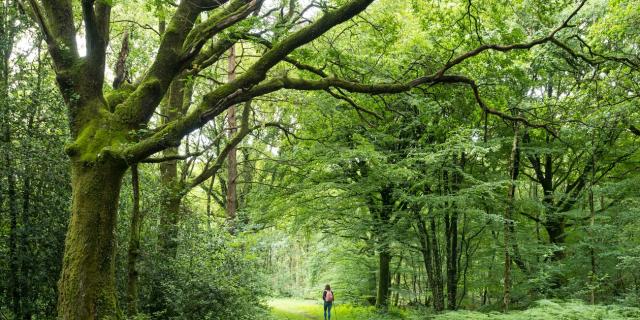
(425, 250)
(134, 245)
(452, 259)
(593, 277)
(383, 218)
(384, 277)
(438, 290)
(170, 206)
(87, 288)
(514, 170)
(397, 293)
(555, 227)
(509, 228)
(232, 162)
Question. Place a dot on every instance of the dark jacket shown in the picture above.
(324, 296)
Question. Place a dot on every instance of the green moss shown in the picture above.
(99, 137)
(133, 108)
(119, 95)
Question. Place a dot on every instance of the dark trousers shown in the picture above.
(327, 310)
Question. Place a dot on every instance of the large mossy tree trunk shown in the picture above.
(87, 288)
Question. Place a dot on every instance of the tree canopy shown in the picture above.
(205, 156)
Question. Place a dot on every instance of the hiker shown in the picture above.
(327, 297)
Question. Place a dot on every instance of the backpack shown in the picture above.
(329, 296)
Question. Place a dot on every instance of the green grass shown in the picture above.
(293, 309)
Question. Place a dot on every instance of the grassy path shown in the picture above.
(294, 309)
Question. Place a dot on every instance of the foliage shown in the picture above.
(406, 203)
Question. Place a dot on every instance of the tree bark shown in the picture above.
(452, 259)
(382, 219)
(514, 170)
(170, 207)
(438, 288)
(384, 277)
(87, 288)
(232, 163)
(432, 267)
(134, 245)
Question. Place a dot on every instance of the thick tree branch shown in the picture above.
(170, 61)
(55, 20)
(121, 70)
(228, 16)
(96, 24)
(216, 102)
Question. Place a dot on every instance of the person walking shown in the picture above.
(328, 297)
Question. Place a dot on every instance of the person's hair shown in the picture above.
(327, 287)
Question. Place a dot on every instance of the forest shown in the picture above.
(228, 159)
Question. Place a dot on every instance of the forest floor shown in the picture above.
(298, 309)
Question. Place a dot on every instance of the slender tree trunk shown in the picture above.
(170, 206)
(397, 293)
(438, 288)
(425, 250)
(384, 277)
(428, 245)
(14, 263)
(383, 218)
(87, 288)
(452, 185)
(134, 245)
(232, 162)
(452, 259)
(172, 200)
(592, 221)
(171, 109)
(508, 218)
(209, 195)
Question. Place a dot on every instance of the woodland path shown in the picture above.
(295, 309)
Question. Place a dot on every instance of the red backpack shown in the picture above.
(329, 296)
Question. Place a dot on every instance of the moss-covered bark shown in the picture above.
(134, 245)
(87, 287)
